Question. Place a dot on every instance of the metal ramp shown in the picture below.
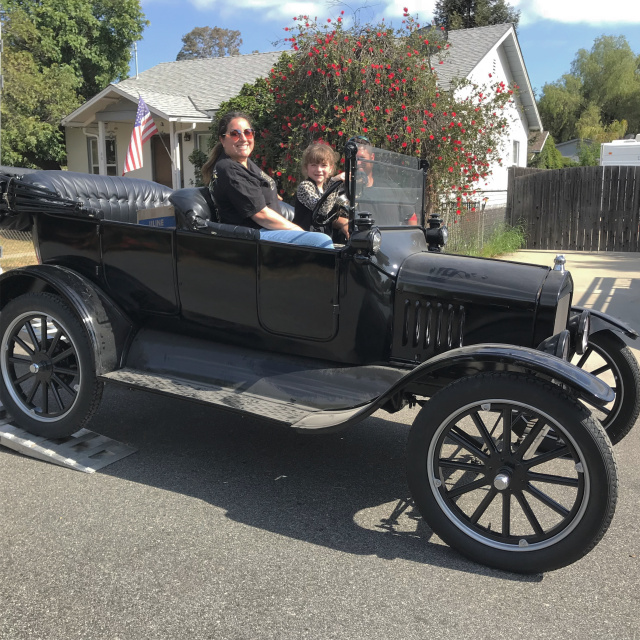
(84, 451)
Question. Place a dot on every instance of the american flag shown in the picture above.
(143, 129)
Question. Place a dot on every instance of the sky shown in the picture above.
(550, 31)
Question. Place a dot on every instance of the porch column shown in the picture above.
(102, 146)
(175, 156)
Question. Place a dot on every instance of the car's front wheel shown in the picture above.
(48, 382)
(611, 360)
(482, 482)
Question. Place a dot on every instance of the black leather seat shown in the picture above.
(117, 198)
(195, 210)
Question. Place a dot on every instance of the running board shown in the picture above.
(84, 451)
(238, 400)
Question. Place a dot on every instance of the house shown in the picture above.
(476, 53)
(571, 148)
(537, 140)
(183, 96)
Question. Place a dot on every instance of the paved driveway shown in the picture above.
(225, 528)
(605, 281)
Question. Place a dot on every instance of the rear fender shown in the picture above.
(468, 361)
(603, 322)
(108, 328)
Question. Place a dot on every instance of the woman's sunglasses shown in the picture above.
(234, 134)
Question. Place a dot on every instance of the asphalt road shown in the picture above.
(227, 528)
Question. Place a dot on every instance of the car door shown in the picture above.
(298, 290)
(217, 278)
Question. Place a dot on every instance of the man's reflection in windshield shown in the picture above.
(379, 195)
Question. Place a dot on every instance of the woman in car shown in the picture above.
(244, 194)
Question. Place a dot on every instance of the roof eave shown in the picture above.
(521, 77)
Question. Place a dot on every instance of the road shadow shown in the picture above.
(618, 297)
(345, 491)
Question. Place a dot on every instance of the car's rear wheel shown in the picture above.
(494, 495)
(611, 360)
(48, 382)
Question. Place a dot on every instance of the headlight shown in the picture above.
(367, 241)
(557, 345)
(580, 328)
(375, 238)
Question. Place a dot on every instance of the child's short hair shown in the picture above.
(316, 153)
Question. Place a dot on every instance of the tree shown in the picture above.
(610, 79)
(590, 126)
(205, 42)
(549, 157)
(382, 83)
(467, 14)
(602, 91)
(93, 37)
(57, 54)
(560, 106)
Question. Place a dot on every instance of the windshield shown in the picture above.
(390, 186)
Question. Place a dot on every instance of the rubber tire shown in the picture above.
(90, 391)
(573, 416)
(623, 358)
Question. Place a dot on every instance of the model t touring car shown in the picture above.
(506, 461)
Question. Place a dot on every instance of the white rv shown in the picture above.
(621, 153)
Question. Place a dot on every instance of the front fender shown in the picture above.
(108, 328)
(603, 322)
(468, 361)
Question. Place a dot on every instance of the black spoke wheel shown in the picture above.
(611, 360)
(482, 482)
(47, 375)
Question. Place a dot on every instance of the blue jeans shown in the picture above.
(305, 238)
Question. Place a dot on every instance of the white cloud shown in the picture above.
(592, 12)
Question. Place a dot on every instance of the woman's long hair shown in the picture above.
(223, 123)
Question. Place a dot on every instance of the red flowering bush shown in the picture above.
(380, 82)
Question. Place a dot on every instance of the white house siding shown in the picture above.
(77, 159)
(495, 186)
(78, 152)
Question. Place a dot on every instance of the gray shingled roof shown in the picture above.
(468, 48)
(192, 88)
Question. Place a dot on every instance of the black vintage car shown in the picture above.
(506, 463)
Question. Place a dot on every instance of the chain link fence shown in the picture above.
(476, 222)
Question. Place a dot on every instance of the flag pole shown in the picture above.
(173, 165)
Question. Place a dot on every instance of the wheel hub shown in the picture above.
(41, 366)
(502, 481)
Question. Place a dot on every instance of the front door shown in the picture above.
(161, 160)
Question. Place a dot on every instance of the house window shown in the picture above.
(202, 142)
(111, 156)
(515, 159)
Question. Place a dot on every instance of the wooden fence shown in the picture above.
(579, 208)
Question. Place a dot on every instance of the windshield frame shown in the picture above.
(400, 195)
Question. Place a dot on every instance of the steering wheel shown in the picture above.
(320, 219)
